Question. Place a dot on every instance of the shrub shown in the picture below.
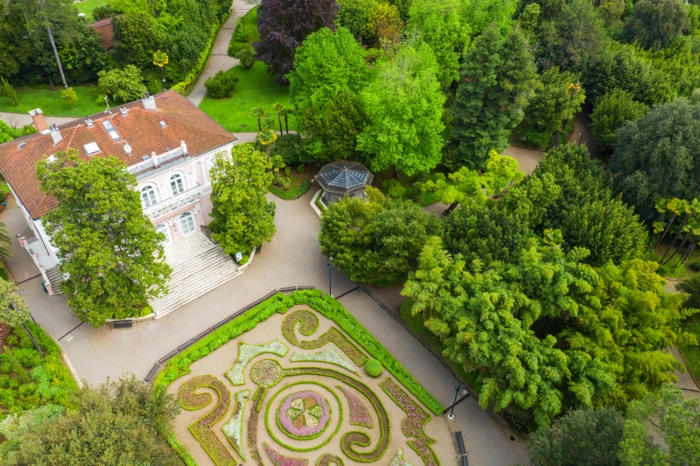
(69, 96)
(221, 85)
(291, 148)
(692, 287)
(235, 47)
(102, 12)
(537, 139)
(694, 265)
(246, 55)
(6, 90)
(300, 168)
(305, 184)
(28, 357)
(393, 189)
(374, 368)
(244, 32)
(287, 171)
(121, 85)
(284, 182)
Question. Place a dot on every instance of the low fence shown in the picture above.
(159, 365)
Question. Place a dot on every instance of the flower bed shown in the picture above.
(280, 460)
(234, 428)
(304, 415)
(359, 415)
(399, 461)
(328, 356)
(247, 352)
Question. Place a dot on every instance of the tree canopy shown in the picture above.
(611, 113)
(242, 216)
(109, 251)
(655, 23)
(13, 310)
(658, 156)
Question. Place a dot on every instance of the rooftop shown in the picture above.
(130, 133)
(344, 176)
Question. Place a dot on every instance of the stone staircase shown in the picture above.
(55, 278)
(199, 266)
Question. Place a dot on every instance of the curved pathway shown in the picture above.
(219, 59)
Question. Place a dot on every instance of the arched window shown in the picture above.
(176, 185)
(163, 228)
(187, 223)
(148, 196)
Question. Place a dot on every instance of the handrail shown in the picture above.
(183, 197)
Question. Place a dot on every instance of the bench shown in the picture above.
(460, 444)
(122, 324)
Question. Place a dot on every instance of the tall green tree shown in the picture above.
(658, 156)
(109, 251)
(404, 108)
(580, 438)
(556, 102)
(242, 217)
(375, 241)
(662, 428)
(441, 25)
(117, 423)
(13, 310)
(610, 113)
(655, 23)
(499, 78)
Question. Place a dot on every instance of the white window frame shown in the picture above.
(163, 228)
(177, 180)
(184, 227)
(153, 192)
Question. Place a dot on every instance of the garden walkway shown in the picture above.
(219, 59)
(20, 119)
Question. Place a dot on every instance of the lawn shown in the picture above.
(299, 187)
(50, 102)
(86, 6)
(691, 354)
(255, 89)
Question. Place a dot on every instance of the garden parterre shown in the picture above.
(298, 407)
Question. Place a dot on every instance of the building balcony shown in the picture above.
(175, 202)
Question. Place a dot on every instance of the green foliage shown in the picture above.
(658, 156)
(655, 23)
(624, 67)
(511, 324)
(291, 148)
(375, 241)
(611, 112)
(116, 423)
(109, 250)
(221, 85)
(246, 55)
(6, 90)
(102, 12)
(499, 78)
(440, 24)
(404, 108)
(121, 85)
(373, 368)
(691, 286)
(393, 189)
(242, 217)
(69, 96)
(556, 103)
(13, 309)
(661, 429)
(580, 438)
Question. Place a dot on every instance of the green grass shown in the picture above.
(691, 354)
(296, 190)
(249, 18)
(256, 88)
(50, 102)
(86, 6)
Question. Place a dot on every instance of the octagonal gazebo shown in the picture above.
(343, 178)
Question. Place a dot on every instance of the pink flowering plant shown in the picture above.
(359, 415)
(281, 460)
(304, 415)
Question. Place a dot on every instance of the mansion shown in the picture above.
(170, 146)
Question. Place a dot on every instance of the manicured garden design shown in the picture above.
(248, 398)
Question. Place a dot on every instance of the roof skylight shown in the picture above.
(110, 130)
(91, 148)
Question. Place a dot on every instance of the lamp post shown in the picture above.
(330, 264)
(451, 416)
(580, 137)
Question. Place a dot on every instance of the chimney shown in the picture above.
(39, 121)
(56, 135)
(149, 103)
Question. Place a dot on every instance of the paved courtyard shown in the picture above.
(292, 258)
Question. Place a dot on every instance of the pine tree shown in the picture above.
(499, 78)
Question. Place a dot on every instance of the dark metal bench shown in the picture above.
(460, 444)
(122, 324)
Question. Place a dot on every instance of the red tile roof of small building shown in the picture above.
(105, 30)
(141, 128)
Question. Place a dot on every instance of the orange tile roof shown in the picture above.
(141, 128)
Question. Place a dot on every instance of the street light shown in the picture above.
(451, 416)
(580, 137)
(330, 264)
